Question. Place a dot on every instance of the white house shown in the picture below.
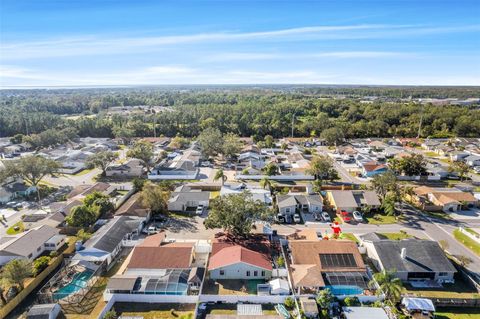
(30, 244)
(288, 204)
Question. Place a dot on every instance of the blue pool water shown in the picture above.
(340, 290)
(78, 282)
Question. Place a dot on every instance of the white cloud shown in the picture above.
(251, 56)
(105, 45)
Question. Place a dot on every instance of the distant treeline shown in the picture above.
(245, 111)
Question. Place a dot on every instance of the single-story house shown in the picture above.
(258, 193)
(472, 160)
(14, 190)
(364, 313)
(185, 198)
(147, 260)
(411, 259)
(448, 199)
(81, 191)
(181, 170)
(318, 264)
(287, 204)
(44, 311)
(30, 244)
(134, 207)
(109, 240)
(373, 168)
(350, 200)
(131, 168)
(233, 260)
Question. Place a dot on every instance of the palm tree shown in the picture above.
(267, 183)
(388, 284)
(219, 175)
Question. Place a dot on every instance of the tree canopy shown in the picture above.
(236, 213)
(143, 151)
(101, 160)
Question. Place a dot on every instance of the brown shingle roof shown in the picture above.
(162, 257)
(133, 207)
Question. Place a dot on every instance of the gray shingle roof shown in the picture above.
(422, 256)
(28, 242)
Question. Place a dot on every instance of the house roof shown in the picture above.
(27, 242)
(309, 306)
(453, 197)
(238, 254)
(304, 234)
(121, 283)
(41, 311)
(374, 166)
(185, 194)
(292, 200)
(422, 255)
(310, 253)
(133, 207)
(109, 236)
(307, 276)
(153, 240)
(364, 313)
(163, 257)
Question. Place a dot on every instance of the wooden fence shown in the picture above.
(13, 303)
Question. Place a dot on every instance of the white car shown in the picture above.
(152, 230)
(326, 217)
(199, 210)
(297, 219)
(477, 169)
(357, 216)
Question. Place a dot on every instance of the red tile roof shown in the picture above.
(238, 254)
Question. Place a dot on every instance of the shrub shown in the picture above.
(280, 261)
(289, 303)
(53, 254)
(351, 301)
(40, 264)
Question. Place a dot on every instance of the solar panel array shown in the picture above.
(358, 279)
(338, 260)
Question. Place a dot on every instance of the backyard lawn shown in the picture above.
(460, 289)
(457, 313)
(467, 241)
(379, 219)
(231, 287)
(155, 311)
(12, 231)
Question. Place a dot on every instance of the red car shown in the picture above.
(346, 216)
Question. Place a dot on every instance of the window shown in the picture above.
(255, 273)
(39, 248)
(248, 273)
(442, 274)
(263, 273)
(287, 210)
(222, 272)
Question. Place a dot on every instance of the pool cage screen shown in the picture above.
(359, 279)
(174, 282)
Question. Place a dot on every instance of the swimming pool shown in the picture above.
(78, 282)
(344, 290)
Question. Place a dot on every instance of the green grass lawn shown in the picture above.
(457, 313)
(379, 219)
(431, 154)
(155, 311)
(11, 230)
(460, 289)
(396, 236)
(83, 172)
(467, 241)
(349, 236)
(439, 215)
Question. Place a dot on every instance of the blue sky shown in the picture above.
(107, 42)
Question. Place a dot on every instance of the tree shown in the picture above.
(388, 204)
(269, 141)
(138, 183)
(178, 142)
(289, 303)
(231, 145)
(83, 235)
(384, 183)
(413, 165)
(16, 271)
(100, 203)
(324, 298)
(351, 301)
(220, 175)
(81, 216)
(155, 198)
(32, 169)
(270, 169)
(321, 167)
(333, 136)
(101, 160)
(267, 183)
(111, 314)
(143, 151)
(40, 264)
(236, 213)
(460, 168)
(211, 141)
(388, 284)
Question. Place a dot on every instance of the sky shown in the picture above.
(146, 42)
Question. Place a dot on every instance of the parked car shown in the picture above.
(346, 216)
(318, 217)
(477, 169)
(151, 230)
(326, 217)
(357, 216)
(280, 218)
(297, 219)
(199, 210)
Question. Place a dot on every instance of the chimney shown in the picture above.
(403, 254)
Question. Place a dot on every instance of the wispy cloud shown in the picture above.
(105, 45)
